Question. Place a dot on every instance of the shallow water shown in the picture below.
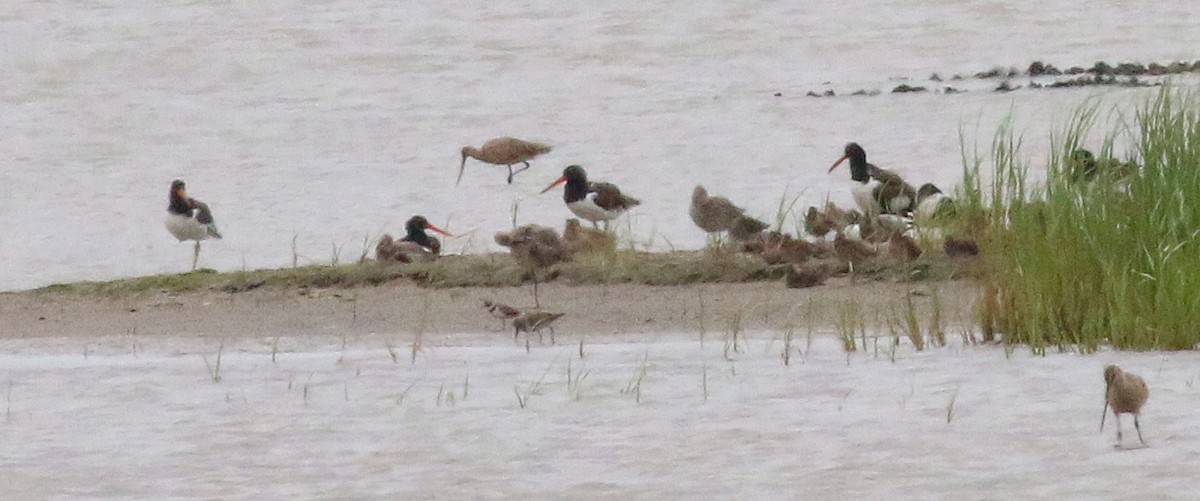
(661, 418)
(330, 122)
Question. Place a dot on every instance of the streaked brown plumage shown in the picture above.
(507, 151)
(535, 322)
(535, 248)
(782, 248)
(902, 247)
(500, 311)
(578, 239)
(1124, 392)
(804, 276)
(713, 214)
(853, 251)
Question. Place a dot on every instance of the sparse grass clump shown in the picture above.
(1108, 259)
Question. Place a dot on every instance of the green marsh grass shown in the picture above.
(1076, 265)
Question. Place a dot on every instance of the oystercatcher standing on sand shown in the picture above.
(189, 219)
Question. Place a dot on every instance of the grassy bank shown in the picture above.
(1083, 261)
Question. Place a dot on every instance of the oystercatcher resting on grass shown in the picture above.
(416, 246)
(888, 194)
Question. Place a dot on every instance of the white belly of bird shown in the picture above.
(587, 209)
(186, 228)
(865, 199)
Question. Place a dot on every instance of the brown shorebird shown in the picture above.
(500, 311)
(1125, 392)
(780, 248)
(416, 246)
(507, 151)
(537, 321)
(804, 276)
(594, 201)
(960, 247)
(578, 239)
(889, 194)
(189, 219)
(854, 252)
(716, 214)
(903, 247)
(536, 248)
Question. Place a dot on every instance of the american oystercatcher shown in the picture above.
(416, 246)
(889, 194)
(507, 151)
(593, 201)
(189, 219)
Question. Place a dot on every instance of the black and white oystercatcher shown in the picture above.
(888, 195)
(189, 219)
(416, 246)
(507, 151)
(594, 201)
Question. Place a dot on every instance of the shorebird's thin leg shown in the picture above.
(527, 336)
(516, 334)
(1136, 426)
(552, 344)
(196, 256)
(536, 303)
(1118, 416)
(510, 174)
(518, 171)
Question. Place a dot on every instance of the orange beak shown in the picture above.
(557, 182)
(430, 226)
(838, 162)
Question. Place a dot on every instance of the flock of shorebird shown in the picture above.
(889, 213)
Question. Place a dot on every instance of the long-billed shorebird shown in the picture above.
(535, 248)
(535, 322)
(506, 151)
(716, 214)
(416, 246)
(189, 219)
(594, 201)
(1124, 392)
(888, 195)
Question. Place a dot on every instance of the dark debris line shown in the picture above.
(1100, 73)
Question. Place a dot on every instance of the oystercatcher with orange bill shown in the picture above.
(889, 194)
(416, 246)
(189, 219)
(594, 201)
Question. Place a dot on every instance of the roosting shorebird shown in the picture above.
(579, 240)
(594, 201)
(1125, 392)
(888, 195)
(535, 322)
(500, 311)
(716, 214)
(507, 151)
(535, 248)
(416, 246)
(189, 219)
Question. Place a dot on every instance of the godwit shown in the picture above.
(500, 311)
(416, 246)
(715, 214)
(507, 151)
(890, 194)
(189, 219)
(1125, 392)
(535, 248)
(535, 322)
(593, 201)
